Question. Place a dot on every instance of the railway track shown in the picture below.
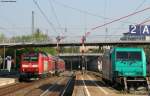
(55, 86)
(12, 88)
(119, 89)
(23, 88)
(91, 84)
(60, 88)
(82, 91)
(86, 85)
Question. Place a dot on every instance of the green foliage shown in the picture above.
(69, 49)
(48, 50)
(2, 37)
(36, 36)
(39, 36)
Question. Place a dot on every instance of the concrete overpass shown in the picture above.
(101, 40)
(53, 44)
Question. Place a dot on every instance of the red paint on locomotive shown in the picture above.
(39, 63)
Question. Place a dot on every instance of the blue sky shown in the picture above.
(77, 16)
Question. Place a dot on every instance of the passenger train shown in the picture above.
(39, 65)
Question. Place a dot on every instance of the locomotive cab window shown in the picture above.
(128, 55)
(26, 58)
(34, 58)
(30, 57)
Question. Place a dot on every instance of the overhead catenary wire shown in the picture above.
(140, 5)
(143, 22)
(105, 9)
(44, 15)
(55, 15)
(137, 8)
(6, 20)
(83, 11)
(79, 10)
(2, 28)
(134, 13)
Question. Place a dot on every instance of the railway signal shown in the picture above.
(83, 50)
(57, 47)
(58, 39)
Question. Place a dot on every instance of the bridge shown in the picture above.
(72, 41)
(53, 44)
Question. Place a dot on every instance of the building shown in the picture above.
(131, 37)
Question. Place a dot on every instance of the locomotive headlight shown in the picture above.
(35, 65)
(25, 65)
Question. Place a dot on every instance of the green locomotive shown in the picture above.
(124, 66)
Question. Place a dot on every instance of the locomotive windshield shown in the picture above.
(128, 55)
(30, 57)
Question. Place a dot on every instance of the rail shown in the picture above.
(63, 92)
(69, 87)
(51, 87)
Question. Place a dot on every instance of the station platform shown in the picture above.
(6, 81)
(8, 78)
(87, 85)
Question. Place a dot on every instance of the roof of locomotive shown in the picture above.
(126, 49)
(44, 53)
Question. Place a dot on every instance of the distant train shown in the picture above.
(39, 65)
(125, 66)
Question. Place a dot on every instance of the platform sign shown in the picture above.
(139, 29)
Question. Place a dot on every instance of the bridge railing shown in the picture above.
(73, 39)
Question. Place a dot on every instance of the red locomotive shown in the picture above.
(39, 65)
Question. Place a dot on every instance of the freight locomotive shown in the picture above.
(39, 65)
(125, 66)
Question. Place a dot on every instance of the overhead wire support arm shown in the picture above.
(44, 15)
(84, 11)
(53, 10)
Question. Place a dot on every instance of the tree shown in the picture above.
(2, 37)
